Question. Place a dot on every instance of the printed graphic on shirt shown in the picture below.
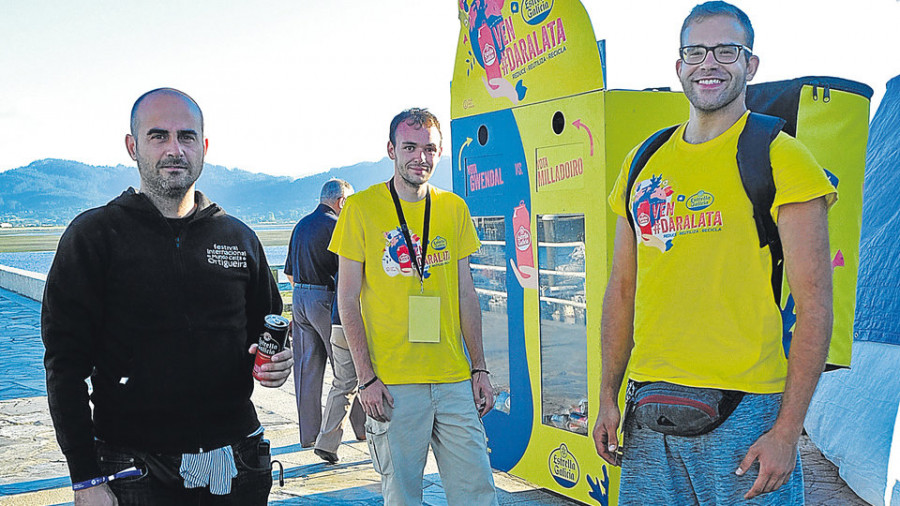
(658, 220)
(438, 253)
(396, 258)
(227, 256)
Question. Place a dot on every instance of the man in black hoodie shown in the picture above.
(158, 296)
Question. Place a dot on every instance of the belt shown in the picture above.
(313, 287)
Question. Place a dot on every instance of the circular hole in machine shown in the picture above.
(482, 135)
(559, 122)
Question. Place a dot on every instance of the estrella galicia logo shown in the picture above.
(439, 243)
(564, 467)
(700, 201)
(536, 11)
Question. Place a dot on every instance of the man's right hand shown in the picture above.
(101, 495)
(373, 401)
(606, 440)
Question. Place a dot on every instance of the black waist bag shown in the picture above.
(677, 410)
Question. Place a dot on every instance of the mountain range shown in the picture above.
(52, 191)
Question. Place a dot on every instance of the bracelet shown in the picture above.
(93, 482)
(480, 370)
(368, 383)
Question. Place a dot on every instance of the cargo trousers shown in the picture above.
(343, 389)
(441, 415)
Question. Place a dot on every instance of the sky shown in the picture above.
(296, 87)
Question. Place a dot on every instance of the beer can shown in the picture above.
(271, 341)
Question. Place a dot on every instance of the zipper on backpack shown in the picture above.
(826, 94)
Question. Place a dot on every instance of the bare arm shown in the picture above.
(616, 339)
(350, 278)
(804, 235)
(470, 320)
(804, 228)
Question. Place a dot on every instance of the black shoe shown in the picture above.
(327, 456)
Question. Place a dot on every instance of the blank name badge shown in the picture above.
(424, 319)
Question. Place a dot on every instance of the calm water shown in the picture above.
(34, 261)
(40, 261)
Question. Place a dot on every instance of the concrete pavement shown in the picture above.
(33, 470)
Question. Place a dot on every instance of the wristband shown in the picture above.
(480, 370)
(93, 482)
(368, 383)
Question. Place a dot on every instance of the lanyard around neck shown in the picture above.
(419, 266)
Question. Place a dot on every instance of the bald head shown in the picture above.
(135, 109)
(167, 142)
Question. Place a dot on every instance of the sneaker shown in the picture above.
(326, 455)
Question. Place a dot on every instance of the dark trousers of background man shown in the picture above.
(311, 309)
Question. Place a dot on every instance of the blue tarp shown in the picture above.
(853, 413)
(878, 287)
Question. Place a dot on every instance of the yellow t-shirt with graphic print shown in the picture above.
(368, 231)
(704, 311)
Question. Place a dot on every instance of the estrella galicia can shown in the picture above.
(271, 341)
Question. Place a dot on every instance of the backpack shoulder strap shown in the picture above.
(755, 167)
(643, 154)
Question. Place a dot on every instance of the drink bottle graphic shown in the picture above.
(643, 217)
(403, 258)
(522, 235)
(489, 54)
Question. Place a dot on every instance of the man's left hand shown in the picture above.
(276, 372)
(777, 457)
(482, 392)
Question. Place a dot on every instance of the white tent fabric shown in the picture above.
(854, 417)
(851, 420)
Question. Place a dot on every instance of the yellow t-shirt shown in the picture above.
(704, 311)
(368, 231)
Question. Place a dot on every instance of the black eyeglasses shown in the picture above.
(723, 53)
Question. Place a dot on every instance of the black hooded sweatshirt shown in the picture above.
(161, 322)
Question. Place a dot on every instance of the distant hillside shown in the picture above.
(52, 192)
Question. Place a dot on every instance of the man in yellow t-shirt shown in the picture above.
(690, 301)
(410, 315)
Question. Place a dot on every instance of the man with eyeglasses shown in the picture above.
(695, 308)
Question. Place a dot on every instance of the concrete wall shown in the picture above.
(25, 283)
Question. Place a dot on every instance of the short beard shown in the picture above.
(167, 188)
(712, 107)
(415, 184)
(693, 98)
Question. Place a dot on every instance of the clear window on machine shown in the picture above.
(489, 274)
(561, 276)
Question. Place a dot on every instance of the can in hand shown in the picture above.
(271, 341)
